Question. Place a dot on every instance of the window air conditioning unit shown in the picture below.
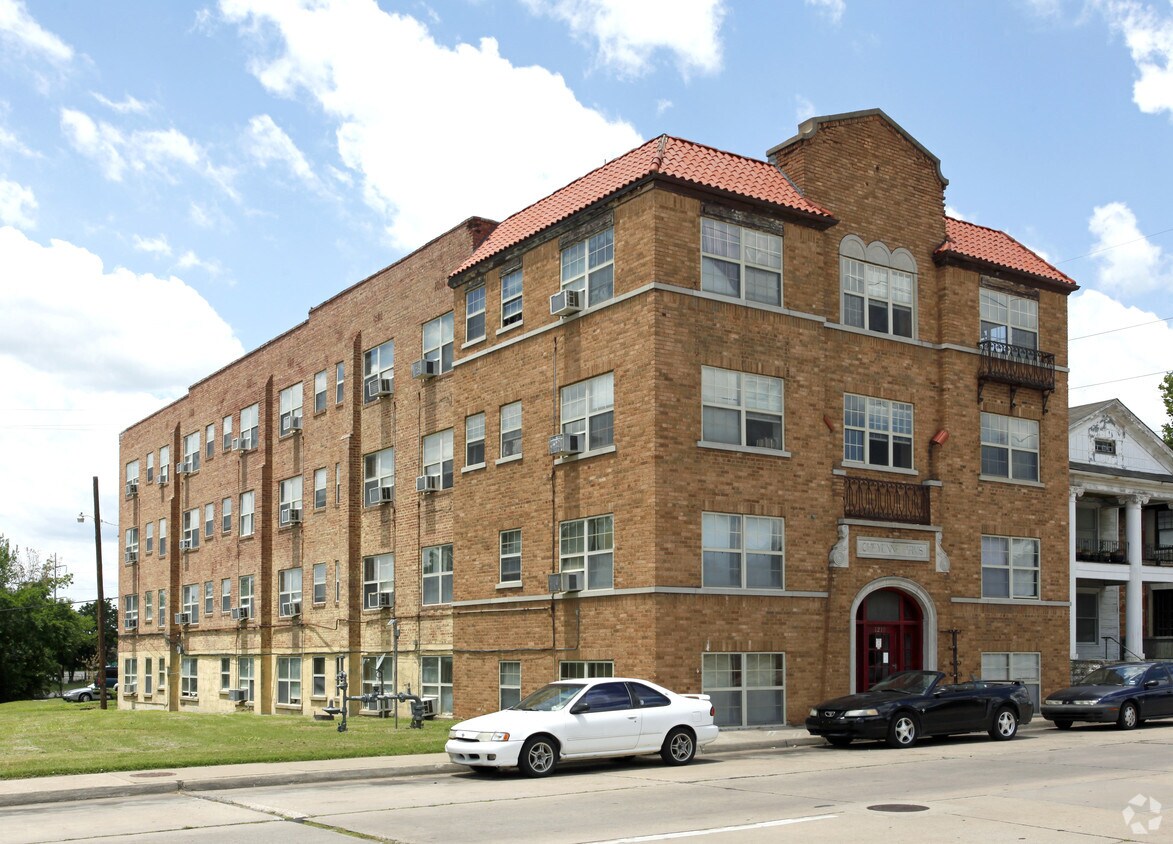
(386, 494)
(291, 516)
(385, 599)
(564, 445)
(182, 468)
(565, 302)
(240, 613)
(246, 442)
(425, 369)
(185, 545)
(183, 618)
(427, 483)
(291, 608)
(565, 581)
(132, 487)
(163, 476)
(132, 624)
(131, 556)
(429, 706)
(295, 424)
(131, 689)
(235, 444)
(379, 387)
(238, 695)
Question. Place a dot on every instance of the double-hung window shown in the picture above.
(339, 382)
(588, 545)
(289, 592)
(289, 501)
(225, 673)
(588, 409)
(320, 391)
(378, 372)
(1009, 320)
(148, 607)
(150, 537)
(210, 441)
(132, 545)
(589, 267)
(209, 597)
(164, 463)
(289, 405)
(437, 457)
(474, 440)
(319, 488)
(247, 502)
(250, 427)
(474, 314)
(741, 263)
(191, 452)
(209, 520)
(511, 297)
(1010, 447)
(511, 430)
(318, 677)
(436, 681)
(1010, 567)
(226, 430)
(226, 515)
(747, 689)
(741, 409)
(378, 578)
(191, 530)
(879, 287)
(162, 610)
(162, 537)
(378, 473)
(509, 684)
(438, 340)
(289, 680)
(877, 432)
(244, 676)
(190, 602)
(245, 590)
(150, 467)
(319, 583)
(189, 677)
(742, 552)
(132, 478)
(129, 612)
(437, 566)
(510, 542)
(225, 595)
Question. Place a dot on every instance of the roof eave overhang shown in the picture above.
(1002, 271)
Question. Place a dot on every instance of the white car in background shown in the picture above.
(585, 719)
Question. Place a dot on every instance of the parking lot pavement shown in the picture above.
(19, 792)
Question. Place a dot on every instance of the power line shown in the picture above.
(1125, 328)
(1113, 246)
(1118, 380)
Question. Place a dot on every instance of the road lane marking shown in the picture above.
(694, 833)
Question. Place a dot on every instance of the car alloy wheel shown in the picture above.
(679, 747)
(902, 732)
(1005, 724)
(538, 757)
(1128, 716)
(84, 697)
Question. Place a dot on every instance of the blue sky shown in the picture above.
(180, 182)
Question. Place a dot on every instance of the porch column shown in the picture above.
(1074, 494)
(1134, 596)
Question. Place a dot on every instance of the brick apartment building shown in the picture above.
(778, 428)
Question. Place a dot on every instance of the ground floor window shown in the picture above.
(1087, 617)
(1162, 614)
(510, 683)
(225, 673)
(162, 684)
(244, 671)
(1026, 667)
(319, 676)
(584, 670)
(188, 677)
(147, 677)
(289, 680)
(436, 681)
(372, 684)
(129, 676)
(747, 689)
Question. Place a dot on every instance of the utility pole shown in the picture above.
(101, 600)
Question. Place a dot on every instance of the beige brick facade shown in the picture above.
(655, 616)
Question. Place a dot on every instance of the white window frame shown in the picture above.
(719, 669)
(588, 408)
(378, 471)
(436, 456)
(509, 548)
(148, 607)
(190, 601)
(129, 678)
(131, 544)
(209, 598)
(512, 297)
(754, 398)
(246, 677)
(437, 567)
(191, 528)
(164, 464)
(869, 422)
(474, 314)
(585, 669)
(226, 430)
(132, 471)
(288, 590)
(247, 513)
(436, 681)
(289, 498)
(150, 537)
(437, 341)
(588, 545)
(319, 573)
(872, 279)
(320, 387)
(209, 520)
(250, 426)
(162, 537)
(246, 585)
(162, 617)
(509, 683)
(129, 612)
(318, 677)
(225, 673)
(320, 488)
(288, 681)
(225, 595)
(1015, 437)
(474, 441)
(339, 382)
(226, 515)
(588, 266)
(191, 451)
(289, 403)
(210, 441)
(150, 467)
(744, 251)
(1023, 558)
(378, 575)
(510, 445)
(743, 539)
(1008, 319)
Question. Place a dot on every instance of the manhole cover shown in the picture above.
(154, 774)
(898, 807)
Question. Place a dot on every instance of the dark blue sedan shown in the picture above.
(1126, 693)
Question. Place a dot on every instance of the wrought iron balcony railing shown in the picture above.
(886, 501)
(1101, 551)
(1018, 366)
(1158, 555)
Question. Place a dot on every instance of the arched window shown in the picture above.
(878, 287)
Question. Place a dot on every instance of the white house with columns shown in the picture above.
(1121, 545)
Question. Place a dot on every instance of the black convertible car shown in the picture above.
(912, 704)
(1125, 693)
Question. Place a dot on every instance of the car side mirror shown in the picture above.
(580, 707)
(1151, 684)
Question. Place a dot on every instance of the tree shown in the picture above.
(1167, 396)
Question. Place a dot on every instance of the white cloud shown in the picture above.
(482, 155)
(128, 106)
(629, 34)
(80, 367)
(1107, 365)
(268, 143)
(1128, 263)
(950, 211)
(833, 9)
(10, 141)
(804, 109)
(18, 27)
(1149, 36)
(662, 106)
(153, 245)
(190, 260)
(156, 151)
(17, 205)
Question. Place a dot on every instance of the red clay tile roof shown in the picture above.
(990, 246)
(667, 156)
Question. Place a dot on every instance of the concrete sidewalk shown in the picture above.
(249, 775)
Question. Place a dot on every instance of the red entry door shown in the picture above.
(889, 636)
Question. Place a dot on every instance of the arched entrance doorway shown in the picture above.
(889, 636)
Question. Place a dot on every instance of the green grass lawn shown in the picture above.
(48, 737)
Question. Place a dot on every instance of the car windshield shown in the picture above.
(909, 682)
(1115, 675)
(549, 698)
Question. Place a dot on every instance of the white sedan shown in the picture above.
(585, 719)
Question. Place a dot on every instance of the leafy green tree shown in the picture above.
(1167, 396)
(87, 656)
